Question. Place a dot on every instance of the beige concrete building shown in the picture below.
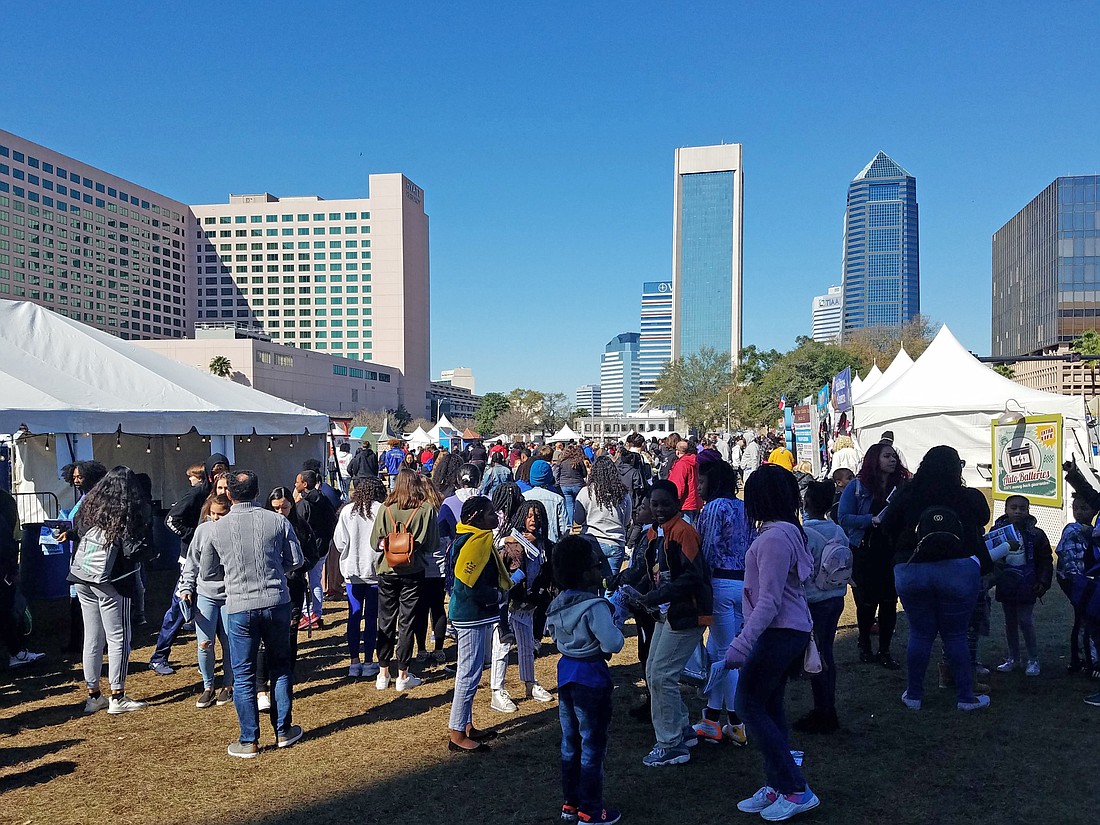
(1063, 377)
(319, 380)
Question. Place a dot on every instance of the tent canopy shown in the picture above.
(60, 376)
(898, 367)
(867, 385)
(566, 433)
(418, 438)
(470, 435)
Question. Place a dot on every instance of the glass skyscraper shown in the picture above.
(656, 342)
(706, 236)
(619, 375)
(881, 247)
(1046, 269)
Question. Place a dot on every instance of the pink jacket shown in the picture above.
(777, 563)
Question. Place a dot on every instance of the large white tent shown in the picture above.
(418, 438)
(949, 397)
(898, 367)
(867, 385)
(566, 433)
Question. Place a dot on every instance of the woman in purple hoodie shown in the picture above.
(773, 639)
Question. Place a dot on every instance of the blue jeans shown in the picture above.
(938, 598)
(247, 629)
(570, 495)
(362, 618)
(727, 623)
(613, 557)
(585, 714)
(759, 703)
(316, 593)
(826, 615)
(211, 621)
(169, 628)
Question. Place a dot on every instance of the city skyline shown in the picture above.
(530, 144)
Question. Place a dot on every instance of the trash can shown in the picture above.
(43, 567)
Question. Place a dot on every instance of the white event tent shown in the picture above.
(867, 385)
(566, 433)
(418, 438)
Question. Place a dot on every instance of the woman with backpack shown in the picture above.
(938, 566)
(861, 506)
(113, 528)
(408, 515)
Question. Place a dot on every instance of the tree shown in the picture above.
(1005, 370)
(580, 412)
(881, 344)
(513, 422)
(371, 419)
(697, 386)
(221, 366)
(492, 405)
(1087, 343)
(554, 411)
(423, 423)
(796, 374)
(400, 417)
(753, 363)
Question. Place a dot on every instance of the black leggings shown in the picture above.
(430, 602)
(297, 586)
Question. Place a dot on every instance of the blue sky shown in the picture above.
(544, 138)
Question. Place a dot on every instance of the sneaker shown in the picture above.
(355, 670)
(370, 670)
(124, 704)
(243, 750)
(790, 804)
(96, 703)
(225, 696)
(1032, 667)
(293, 735)
(736, 734)
(410, 681)
(912, 704)
(981, 670)
(709, 731)
(383, 680)
(888, 662)
(688, 738)
(1007, 666)
(303, 623)
(979, 703)
(759, 801)
(539, 693)
(161, 668)
(438, 657)
(502, 702)
(568, 813)
(24, 657)
(660, 757)
(263, 702)
(1093, 700)
(206, 698)
(607, 816)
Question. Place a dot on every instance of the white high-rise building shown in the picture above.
(459, 377)
(619, 375)
(590, 397)
(826, 315)
(348, 277)
(655, 349)
(707, 230)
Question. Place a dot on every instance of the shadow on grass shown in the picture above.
(36, 776)
(11, 756)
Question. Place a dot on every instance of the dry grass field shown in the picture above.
(380, 757)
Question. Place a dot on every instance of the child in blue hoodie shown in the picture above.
(581, 625)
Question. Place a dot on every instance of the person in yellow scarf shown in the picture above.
(481, 584)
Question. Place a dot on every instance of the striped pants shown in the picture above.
(468, 666)
(523, 628)
(106, 624)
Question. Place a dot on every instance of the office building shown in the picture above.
(451, 400)
(88, 244)
(348, 277)
(651, 424)
(655, 348)
(619, 384)
(459, 377)
(706, 250)
(589, 397)
(881, 247)
(825, 315)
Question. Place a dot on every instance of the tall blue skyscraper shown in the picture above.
(655, 348)
(706, 250)
(881, 247)
(619, 375)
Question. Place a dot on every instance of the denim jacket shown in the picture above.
(854, 512)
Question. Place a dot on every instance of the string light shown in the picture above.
(149, 445)
(47, 443)
(177, 443)
(270, 441)
(118, 439)
(292, 441)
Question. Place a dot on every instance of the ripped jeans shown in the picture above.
(210, 621)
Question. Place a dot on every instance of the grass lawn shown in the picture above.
(380, 757)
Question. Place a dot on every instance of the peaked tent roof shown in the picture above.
(867, 386)
(898, 367)
(470, 435)
(882, 166)
(566, 433)
(61, 376)
(418, 438)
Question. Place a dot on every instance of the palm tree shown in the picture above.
(221, 366)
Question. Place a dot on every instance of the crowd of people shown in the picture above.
(732, 561)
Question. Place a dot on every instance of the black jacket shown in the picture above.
(319, 514)
(364, 464)
(183, 516)
(901, 516)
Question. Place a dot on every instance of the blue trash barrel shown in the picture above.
(42, 575)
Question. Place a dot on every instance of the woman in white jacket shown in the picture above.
(357, 564)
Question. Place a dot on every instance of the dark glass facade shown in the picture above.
(1046, 269)
(706, 261)
(881, 247)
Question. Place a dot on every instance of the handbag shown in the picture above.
(811, 659)
(697, 670)
(398, 545)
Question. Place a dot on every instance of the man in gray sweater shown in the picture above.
(253, 549)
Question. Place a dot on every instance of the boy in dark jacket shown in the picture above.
(1025, 576)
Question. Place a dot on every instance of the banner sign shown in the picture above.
(803, 434)
(842, 390)
(1027, 460)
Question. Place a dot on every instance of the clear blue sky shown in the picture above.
(544, 138)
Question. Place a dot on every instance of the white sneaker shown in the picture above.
(124, 704)
(502, 702)
(912, 704)
(759, 801)
(24, 657)
(96, 703)
(410, 681)
(788, 805)
(355, 670)
(539, 693)
(979, 703)
(1032, 667)
(263, 702)
(383, 680)
(1007, 666)
(370, 670)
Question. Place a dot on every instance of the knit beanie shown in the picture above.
(541, 474)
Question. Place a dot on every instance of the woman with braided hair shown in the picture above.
(445, 473)
(603, 511)
(506, 500)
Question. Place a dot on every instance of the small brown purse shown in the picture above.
(399, 546)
